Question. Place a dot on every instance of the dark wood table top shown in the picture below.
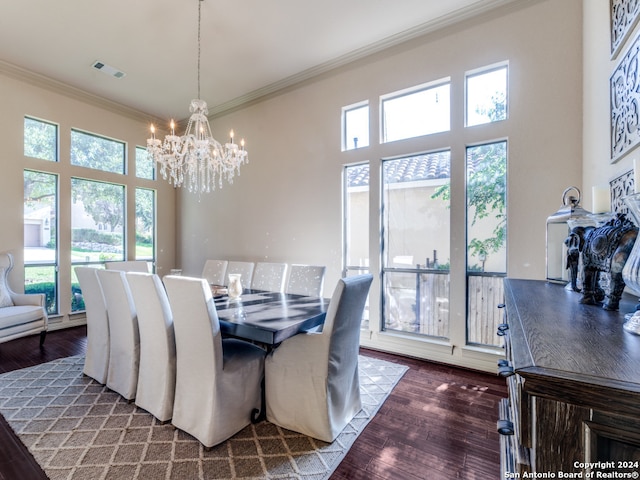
(269, 317)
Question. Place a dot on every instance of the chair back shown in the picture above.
(269, 276)
(157, 373)
(124, 336)
(215, 272)
(96, 362)
(128, 266)
(197, 328)
(342, 325)
(245, 269)
(306, 280)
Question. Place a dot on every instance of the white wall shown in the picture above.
(286, 206)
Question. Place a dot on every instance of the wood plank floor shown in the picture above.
(438, 423)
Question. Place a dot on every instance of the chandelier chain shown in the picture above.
(196, 159)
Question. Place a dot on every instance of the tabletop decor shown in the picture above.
(75, 427)
(631, 271)
(197, 159)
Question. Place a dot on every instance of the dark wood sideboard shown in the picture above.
(574, 386)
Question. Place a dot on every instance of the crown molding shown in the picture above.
(440, 23)
(75, 93)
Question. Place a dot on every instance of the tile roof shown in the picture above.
(430, 166)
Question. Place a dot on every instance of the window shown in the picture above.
(97, 221)
(41, 236)
(423, 110)
(92, 151)
(486, 95)
(416, 244)
(145, 223)
(355, 132)
(40, 139)
(356, 224)
(486, 167)
(144, 164)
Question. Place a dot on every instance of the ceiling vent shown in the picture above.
(107, 69)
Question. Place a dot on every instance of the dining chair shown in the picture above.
(128, 266)
(96, 360)
(215, 272)
(269, 276)
(124, 336)
(157, 371)
(245, 269)
(218, 381)
(311, 379)
(306, 280)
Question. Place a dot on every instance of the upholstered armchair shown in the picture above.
(312, 382)
(20, 314)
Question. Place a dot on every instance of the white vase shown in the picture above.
(235, 285)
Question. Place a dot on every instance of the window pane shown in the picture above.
(40, 139)
(145, 223)
(356, 128)
(486, 239)
(420, 113)
(144, 164)
(356, 225)
(416, 243)
(100, 153)
(40, 236)
(97, 220)
(487, 97)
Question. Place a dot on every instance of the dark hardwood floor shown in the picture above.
(438, 423)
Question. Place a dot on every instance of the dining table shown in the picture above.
(269, 318)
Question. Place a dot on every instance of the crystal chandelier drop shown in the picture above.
(196, 159)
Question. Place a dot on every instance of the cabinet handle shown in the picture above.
(503, 362)
(501, 305)
(505, 427)
(505, 371)
(502, 329)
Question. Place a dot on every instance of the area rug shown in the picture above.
(78, 429)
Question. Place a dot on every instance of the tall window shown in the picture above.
(419, 111)
(41, 236)
(40, 139)
(355, 216)
(486, 95)
(144, 164)
(100, 153)
(415, 250)
(145, 224)
(355, 126)
(486, 167)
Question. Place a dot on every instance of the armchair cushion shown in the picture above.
(5, 295)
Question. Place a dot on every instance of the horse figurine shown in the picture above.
(604, 249)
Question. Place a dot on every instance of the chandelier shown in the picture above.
(196, 159)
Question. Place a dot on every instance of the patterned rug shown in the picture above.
(78, 429)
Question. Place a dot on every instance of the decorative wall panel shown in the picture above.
(625, 104)
(624, 16)
(621, 187)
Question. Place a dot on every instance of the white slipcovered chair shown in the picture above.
(214, 272)
(124, 337)
(269, 276)
(312, 383)
(157, 372)
(306, 280)
(244, 269)
(96, 360)
(128, 266)
(218, 381)
(21, 314)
